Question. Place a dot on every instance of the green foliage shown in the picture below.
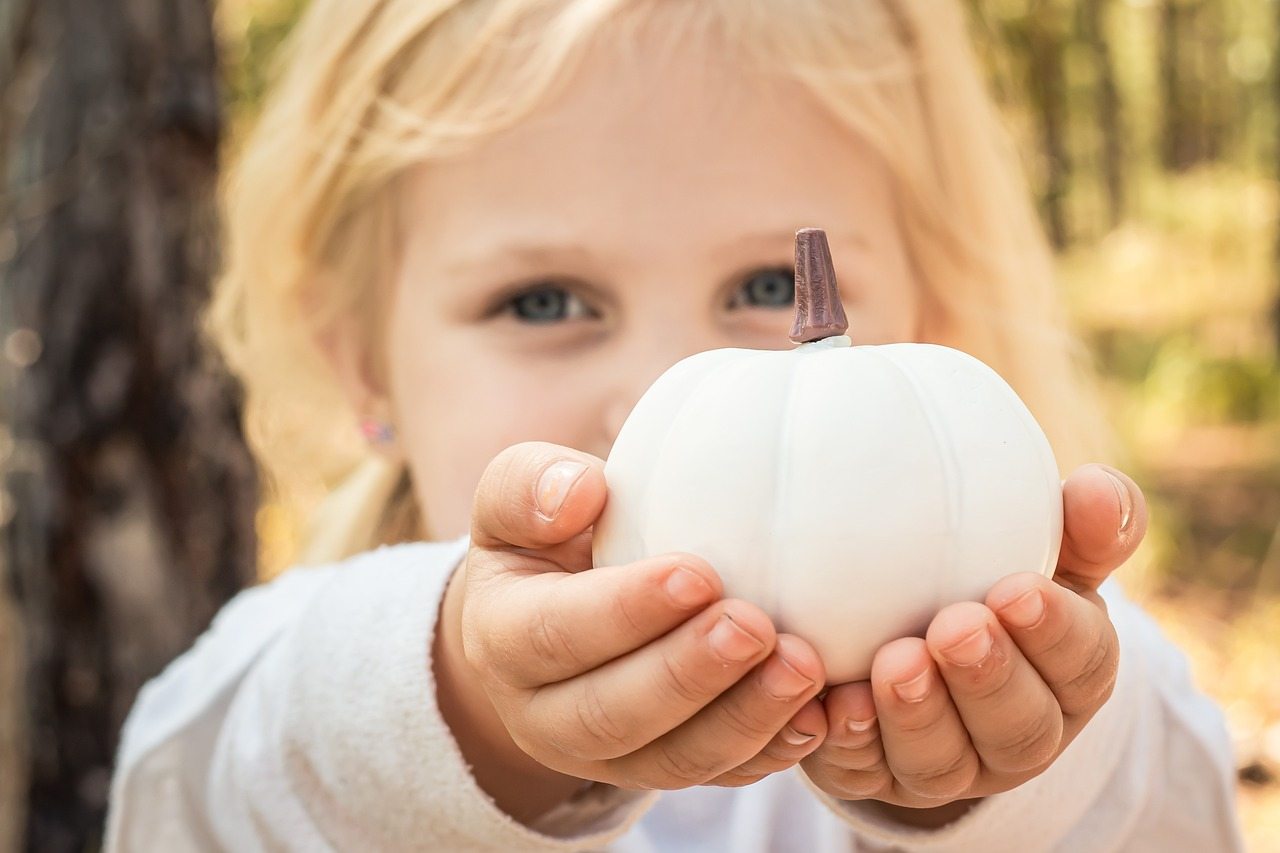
(253, 31)
(1195, 387)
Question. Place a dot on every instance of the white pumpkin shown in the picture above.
(849, 491)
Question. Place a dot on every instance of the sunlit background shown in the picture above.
(1151, 132)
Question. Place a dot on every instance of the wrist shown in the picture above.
(519, 784)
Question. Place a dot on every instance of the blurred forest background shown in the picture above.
(1151, 132)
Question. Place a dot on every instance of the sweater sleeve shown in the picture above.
(1152, 770)
(306, 719)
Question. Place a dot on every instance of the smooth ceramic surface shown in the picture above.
(850, 492)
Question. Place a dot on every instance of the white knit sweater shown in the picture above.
(305, 719)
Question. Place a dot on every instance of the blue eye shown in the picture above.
(545, 305)
(773, 288)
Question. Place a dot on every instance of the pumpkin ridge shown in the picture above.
(786, 427)
(645, 502)
(632, 531)
(946, 455)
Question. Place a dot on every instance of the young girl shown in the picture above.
(480, 229)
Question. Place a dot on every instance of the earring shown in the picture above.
(377, 431)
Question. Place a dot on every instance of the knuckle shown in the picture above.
(769, 760)
(917, 727)
(682, 769)
(606, 737)
(736, 780)
(680, 685)
(1030, 746)
(947, 780)
(863, 757)
(991, 681)
(485, 658)
(1092, 685)
(869, 784)
(533, 745)
(1054, 644)
(625, 619)
(849, 781)
(744, 721)
(677, 769)
(550, 642)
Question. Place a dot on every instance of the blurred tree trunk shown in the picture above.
(1275, 95)
(1217, 90)
(1195, 86)
(1044, 43)
(1175, 136)
(1093, 14)
(132, 494)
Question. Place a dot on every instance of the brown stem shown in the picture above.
(819, 313)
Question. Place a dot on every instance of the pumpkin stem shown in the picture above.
(819, 313)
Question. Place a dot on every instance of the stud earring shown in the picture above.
(377, 431)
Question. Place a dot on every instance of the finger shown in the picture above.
(735, 727)
(925, 743)
(1104, 519)
(851, 763)
(1069, 640)
(1012, 717)
(799, 737)
(535, 495)
(634, 699)
(569, 624)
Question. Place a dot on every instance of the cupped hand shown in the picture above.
(995, 691)
(641, 675)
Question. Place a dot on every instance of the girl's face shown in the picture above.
(552, 273)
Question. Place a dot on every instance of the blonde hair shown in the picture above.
(373, 87)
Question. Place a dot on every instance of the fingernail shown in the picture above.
(554, 485)
(859, 726)
(913, 689)
(972, 650)
(1025, 611)
(1126, 502)
(731, 642)
(796, 738)
(687, 588)
(783, 681)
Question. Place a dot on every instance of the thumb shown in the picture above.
(1104, 518)
(536, 495)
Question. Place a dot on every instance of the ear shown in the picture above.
(349, 356)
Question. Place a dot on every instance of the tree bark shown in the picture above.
(131, 489)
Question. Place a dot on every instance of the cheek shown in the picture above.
(457, 406)
(887, 306)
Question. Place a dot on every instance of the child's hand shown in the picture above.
(639, 675)
(995, 691)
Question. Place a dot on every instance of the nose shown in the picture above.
(615, 415)
(641, 371)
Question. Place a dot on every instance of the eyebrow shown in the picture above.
(526, 253)
(553, 253)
